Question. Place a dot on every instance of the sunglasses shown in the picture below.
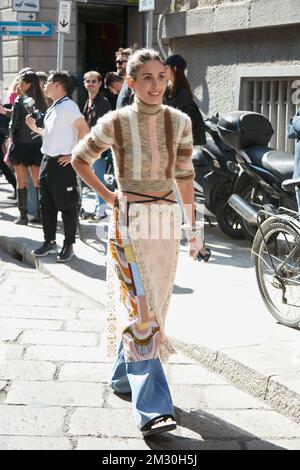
(91, 81)
(120, 61)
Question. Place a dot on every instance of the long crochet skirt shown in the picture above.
(143, 249)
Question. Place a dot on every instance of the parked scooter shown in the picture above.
(213, 180)
(260, 170)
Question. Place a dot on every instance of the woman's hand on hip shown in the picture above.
(64, 160)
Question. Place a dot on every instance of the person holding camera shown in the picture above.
(64, 125)
(25, 150)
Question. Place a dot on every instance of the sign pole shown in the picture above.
(149, 28)
(60, 51)
(64, 10)
(25, 51)
(1, 60)
(147, 7)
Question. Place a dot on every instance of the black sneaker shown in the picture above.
(45, 249)
(66, 254)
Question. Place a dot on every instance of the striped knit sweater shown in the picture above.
(151, 146)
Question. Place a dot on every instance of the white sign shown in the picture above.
(146, 5)
(26, 16)
(64, 16)
(26, 5)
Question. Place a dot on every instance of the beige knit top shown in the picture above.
(151, 146)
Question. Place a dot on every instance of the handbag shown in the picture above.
(293, 129)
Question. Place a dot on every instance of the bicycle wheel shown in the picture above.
(278, 273)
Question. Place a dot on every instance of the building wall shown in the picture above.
(215, 60)
(218, 38)
(42, 52)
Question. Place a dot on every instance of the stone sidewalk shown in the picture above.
(216, 314)
(53, 382)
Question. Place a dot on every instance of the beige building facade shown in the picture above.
(242, 54)
(98, 29)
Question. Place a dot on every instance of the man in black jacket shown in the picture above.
(95, 107)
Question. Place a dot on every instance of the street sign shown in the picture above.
(15, 28)
(26, 16)
(26, 5)
(146, 5)
(64, 16)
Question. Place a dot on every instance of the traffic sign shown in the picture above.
(26, 5)
(64, 16)
(15, 28)
(26, 16)
(146, 5)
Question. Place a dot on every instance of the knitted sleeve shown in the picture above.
(184, 169)
(99, 139)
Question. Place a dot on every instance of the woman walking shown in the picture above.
(26, 146)
(152, 146)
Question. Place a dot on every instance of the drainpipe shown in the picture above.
(161, 18)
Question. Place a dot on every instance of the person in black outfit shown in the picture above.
(179, 95)
(26, 146)
(95, 107)
(9, 175)
(122, 56)
(63, 125)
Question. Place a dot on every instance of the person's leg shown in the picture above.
(119, 381)
(69, 217)
(21, 194)
(31, 201)
(297, 171)
(47, 203)
(34, 173)
(99, 170)
(66, 196)
(6, 170)
(151, 396)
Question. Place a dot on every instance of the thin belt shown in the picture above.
(152, 198)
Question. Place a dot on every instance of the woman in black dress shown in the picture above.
(26, 147)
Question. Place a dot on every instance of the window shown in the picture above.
(271, 91)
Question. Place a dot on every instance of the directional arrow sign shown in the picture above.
(64, 16)
(14, 28)
(26, 16)
(26, 5)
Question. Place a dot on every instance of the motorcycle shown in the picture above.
(213, 180)
(259, 170)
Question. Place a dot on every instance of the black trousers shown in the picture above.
(58, 191)
(9, 175)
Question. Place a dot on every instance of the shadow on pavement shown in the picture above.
(214, 433)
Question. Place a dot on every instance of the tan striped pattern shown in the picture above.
(119, 151)
(184, 152)
(150, 149)
(169, 142)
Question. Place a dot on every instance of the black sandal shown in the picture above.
(149, 430)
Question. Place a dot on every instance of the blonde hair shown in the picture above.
(138, 59)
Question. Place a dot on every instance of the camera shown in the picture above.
(204, 256)
(31, 109)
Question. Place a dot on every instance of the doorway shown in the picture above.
(102, 29)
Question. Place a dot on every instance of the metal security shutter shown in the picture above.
(273, 98)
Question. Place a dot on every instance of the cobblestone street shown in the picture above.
(54, 392)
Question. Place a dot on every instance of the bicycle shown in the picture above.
(276, 252)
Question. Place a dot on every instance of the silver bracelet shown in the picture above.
(193, 231)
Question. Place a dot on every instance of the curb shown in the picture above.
(260, 386)
(23, 254)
